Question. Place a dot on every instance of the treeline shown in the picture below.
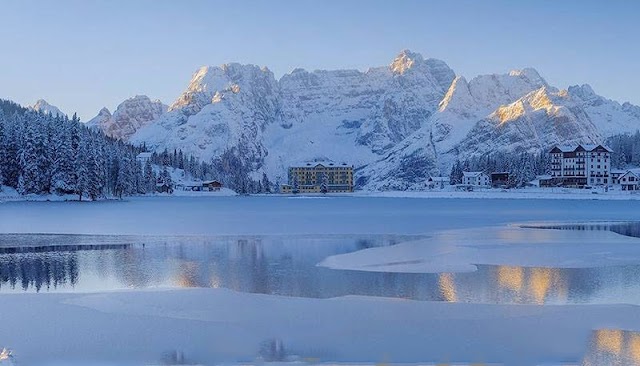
(42, 154)
(522, 168)
(45, 154)
(626, 150)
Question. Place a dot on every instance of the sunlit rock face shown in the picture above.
(131, 115)
(42, 106)
(397, 124)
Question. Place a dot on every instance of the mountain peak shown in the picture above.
(43, 106)
(405, 61)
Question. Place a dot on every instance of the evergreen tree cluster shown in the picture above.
(41, 154)
(522, 168)
(626, 150)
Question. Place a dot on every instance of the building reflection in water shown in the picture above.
(287, 266)
(613, 347)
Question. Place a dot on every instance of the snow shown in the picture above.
(217, 325)
(42, 106)
(415, 111)
(462, 250)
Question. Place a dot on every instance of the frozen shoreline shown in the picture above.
(461, 250)
(217, 325)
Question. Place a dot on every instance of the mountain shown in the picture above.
(131, 115)
(396, 124)
(42, 106)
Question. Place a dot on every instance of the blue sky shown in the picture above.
(82, 55)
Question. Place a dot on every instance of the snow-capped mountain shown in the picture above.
(397, 124)
(42, 106)
(131, 115)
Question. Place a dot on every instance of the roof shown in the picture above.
(572, 148)
(544, 177)
(618, 171)
(472, 174)
(439, 179)
(145, 155)
(211, 182)
(630, 172)
(327, 163)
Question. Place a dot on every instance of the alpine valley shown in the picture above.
(397, 124)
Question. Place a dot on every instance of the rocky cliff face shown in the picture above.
(397, 124)
(131, 115)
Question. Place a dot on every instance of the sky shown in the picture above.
(82, 55)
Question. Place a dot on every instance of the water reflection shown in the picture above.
(613, 347)
(287, 266)
(37, 271)
(623, 228)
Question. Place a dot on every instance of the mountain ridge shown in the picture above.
(414, 114)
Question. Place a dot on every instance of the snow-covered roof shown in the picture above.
(145, 155)
(472, 174)
(316, 163)
(634, 171)
(439, 179)
(544, 177)
(619, 171)
(574, 147)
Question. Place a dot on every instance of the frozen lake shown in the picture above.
(65, 265)
(286, 265)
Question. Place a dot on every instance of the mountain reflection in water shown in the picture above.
(287, 266)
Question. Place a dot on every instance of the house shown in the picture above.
(164, 188)
(582, 165)
(438, 182)
(499, 179)
(478, 179)
(320, 177)
(143, 157)
(616, 174)
(629, 181)
(546, 181)
(212, 185)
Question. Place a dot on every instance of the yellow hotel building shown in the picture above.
(320, 178)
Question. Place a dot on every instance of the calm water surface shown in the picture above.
(287, 266)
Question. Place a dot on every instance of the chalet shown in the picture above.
(546, 181)
(438, 182)
(616, 174)
(477, 179)
(581, 165)
(629, 181)
(212, 186)
(499, 179)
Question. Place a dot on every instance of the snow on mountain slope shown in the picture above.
(42, 106)
(397, 124)
(610, 117)
(536, 121)
(223, 108)
(131, 115)
(343, 115)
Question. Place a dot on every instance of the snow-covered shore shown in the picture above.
(216, 325)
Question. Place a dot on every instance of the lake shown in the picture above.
(286, 266)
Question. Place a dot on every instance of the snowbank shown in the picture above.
(462, 250)
(522, 193)
(215, 325)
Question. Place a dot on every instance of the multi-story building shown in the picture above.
(581, 165)
(320, 178)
